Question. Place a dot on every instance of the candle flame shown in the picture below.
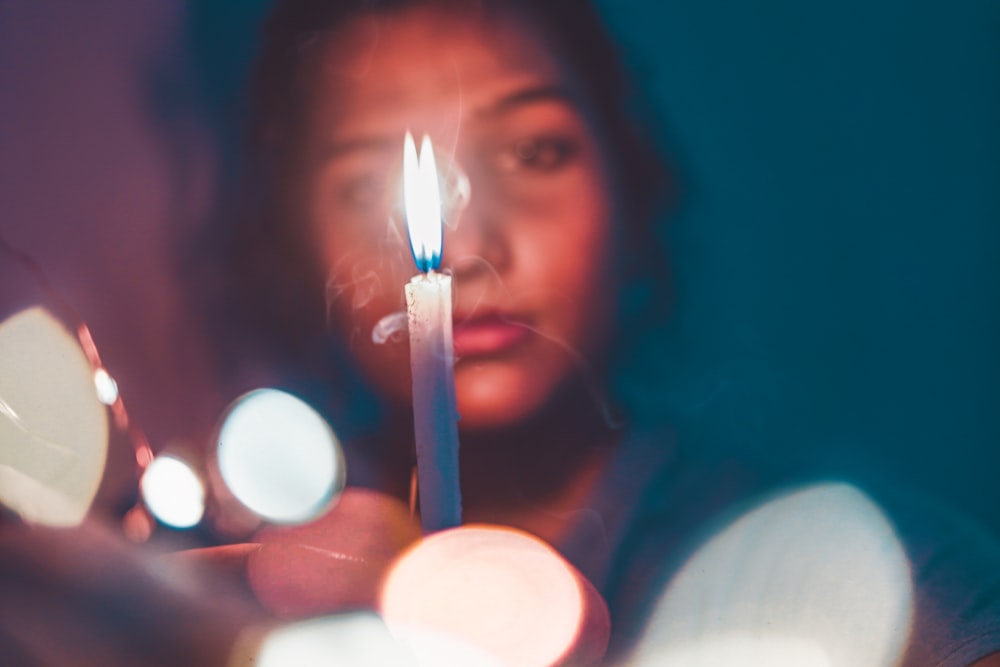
(422, 199)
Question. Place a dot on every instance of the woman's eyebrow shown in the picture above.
(337, 149)
(520, 97)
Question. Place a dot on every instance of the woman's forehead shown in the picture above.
(425, 67)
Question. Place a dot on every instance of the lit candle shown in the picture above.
(432, 357)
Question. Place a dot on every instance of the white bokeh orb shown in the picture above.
(173, 492)
(279, 457)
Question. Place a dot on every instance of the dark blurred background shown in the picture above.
(836, 241)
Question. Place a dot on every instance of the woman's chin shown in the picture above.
(496, 397)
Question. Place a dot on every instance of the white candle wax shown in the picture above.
(435, 416)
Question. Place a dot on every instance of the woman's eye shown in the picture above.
(361, 192)
(538, 153)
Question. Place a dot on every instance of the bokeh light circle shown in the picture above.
(499, 590)
(279, 457)
(358, 639)
(811, 577)
(53, 430)
(106, 387)
(173, 492)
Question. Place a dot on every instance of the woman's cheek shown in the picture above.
(587, 269)
(495, 394)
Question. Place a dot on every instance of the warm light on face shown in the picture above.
(422, 199)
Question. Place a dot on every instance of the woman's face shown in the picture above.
(533, 253)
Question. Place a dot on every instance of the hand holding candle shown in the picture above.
(432, 357)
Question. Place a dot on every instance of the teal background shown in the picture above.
(837, 241)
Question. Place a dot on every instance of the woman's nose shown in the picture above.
(475, 240)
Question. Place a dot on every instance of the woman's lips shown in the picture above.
(488, 334)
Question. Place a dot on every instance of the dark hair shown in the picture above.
(277, 292)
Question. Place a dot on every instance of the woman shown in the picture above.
(553, 257)
(556, 270)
